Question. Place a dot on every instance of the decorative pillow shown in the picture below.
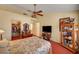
(4, 43)
(4, 46)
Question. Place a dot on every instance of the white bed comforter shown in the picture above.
(31, 45)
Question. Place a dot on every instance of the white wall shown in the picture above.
(48, 19)
(52, 19)
(5, 21)
(36, 28)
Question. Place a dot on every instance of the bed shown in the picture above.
(31, 45)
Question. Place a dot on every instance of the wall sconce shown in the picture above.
(1, 32)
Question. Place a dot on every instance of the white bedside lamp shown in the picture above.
(1, 32)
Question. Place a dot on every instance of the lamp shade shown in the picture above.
(1, 31)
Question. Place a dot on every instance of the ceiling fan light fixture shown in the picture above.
(36, 13)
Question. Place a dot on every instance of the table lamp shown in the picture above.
(1, 32)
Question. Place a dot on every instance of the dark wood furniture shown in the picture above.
(16, 30)
(46, 36)
(21, 36)
(17, 33)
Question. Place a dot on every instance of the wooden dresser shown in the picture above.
(22, 36)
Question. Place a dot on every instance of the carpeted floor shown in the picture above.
(58, 49)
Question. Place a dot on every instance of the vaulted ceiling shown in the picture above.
(22, 8)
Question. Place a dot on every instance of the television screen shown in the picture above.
(47, 29)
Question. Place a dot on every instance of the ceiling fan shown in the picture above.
(36, 13)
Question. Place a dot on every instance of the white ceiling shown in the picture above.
(22, 8)
(51, 7)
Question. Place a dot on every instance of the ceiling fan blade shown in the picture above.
(35, 13)
(40, 14)
(29, 11)
(40, 11)
(34, 16)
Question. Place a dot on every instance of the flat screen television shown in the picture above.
(47, 29)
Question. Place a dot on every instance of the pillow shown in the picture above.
(4, 43)
(4, 46)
